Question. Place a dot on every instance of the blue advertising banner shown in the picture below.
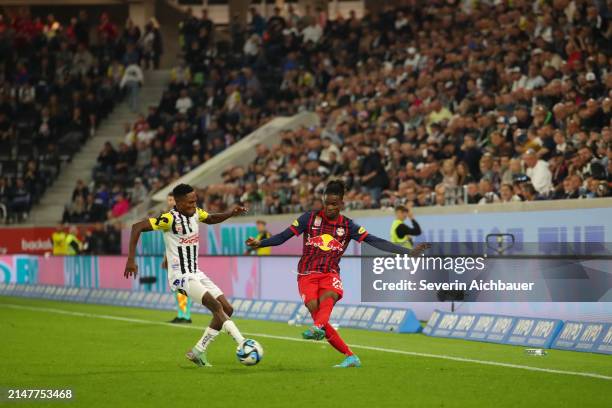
(517, 331)
(282, 311)
(585, 336)
(241, 307)
(397, 320)
(534, 332)
(523, 331)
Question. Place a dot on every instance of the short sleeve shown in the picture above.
(356, 231)
(162, 223)
(300, 224)
(202, 215)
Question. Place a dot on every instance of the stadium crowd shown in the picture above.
(427, 104)
(58, 80)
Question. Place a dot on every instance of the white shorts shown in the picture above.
(195, 285)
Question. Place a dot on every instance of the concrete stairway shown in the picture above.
(51, 207)
(169, 16)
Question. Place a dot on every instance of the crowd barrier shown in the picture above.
(585, 336)
(522, 331)
(353, 316)
(593, 337)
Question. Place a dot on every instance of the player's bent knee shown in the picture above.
(229, 311)
(312, 306)
(329, 294)
(211, 303)
(217, 307)
(227, 306)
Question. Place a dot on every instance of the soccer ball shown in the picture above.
(249, 352)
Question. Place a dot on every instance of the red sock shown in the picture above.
(333, 337)
(324, 311)
(336, 341)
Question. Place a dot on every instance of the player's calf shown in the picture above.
(216, 308)
(326, 305)
(221, 320)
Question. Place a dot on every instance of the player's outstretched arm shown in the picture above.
(387, 246)
(220, 217)
(295, 229)
(131, 269)
(274, 240)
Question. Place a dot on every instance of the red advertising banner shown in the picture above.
(32, 241)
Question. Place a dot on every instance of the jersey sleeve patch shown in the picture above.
(357, 232)
(202, 215)
(300, 224)
(162, 223)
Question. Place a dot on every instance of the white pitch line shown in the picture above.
(356, 346)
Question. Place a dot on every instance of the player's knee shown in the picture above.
(312, 306)
(217, 307)
(229, 310)
(333, 295)
(212, 304)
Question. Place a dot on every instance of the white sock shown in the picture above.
(207, 338)
(230, 328)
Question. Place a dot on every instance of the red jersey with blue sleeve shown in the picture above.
(325, 240)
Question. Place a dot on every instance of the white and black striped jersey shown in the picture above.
(181, 236)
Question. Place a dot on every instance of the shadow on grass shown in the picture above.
(244, 370)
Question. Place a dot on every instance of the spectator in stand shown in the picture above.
(5, 197)
(372, 174)
(507, 194)
(121, 206)
(94, 242)
(537, 170)
(258, 23)
(139, 192)
(183, 103)
(80, 190)
(151, 45)
(570, 188)
(106, 28)
(528, 192)
(132, 80)
(21, 201)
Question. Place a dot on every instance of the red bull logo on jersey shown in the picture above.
(325, 242)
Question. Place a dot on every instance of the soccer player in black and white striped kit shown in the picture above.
(180, 226)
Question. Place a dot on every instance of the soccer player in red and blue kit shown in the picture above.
(327, 234)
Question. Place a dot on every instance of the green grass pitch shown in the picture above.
(124, 357)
